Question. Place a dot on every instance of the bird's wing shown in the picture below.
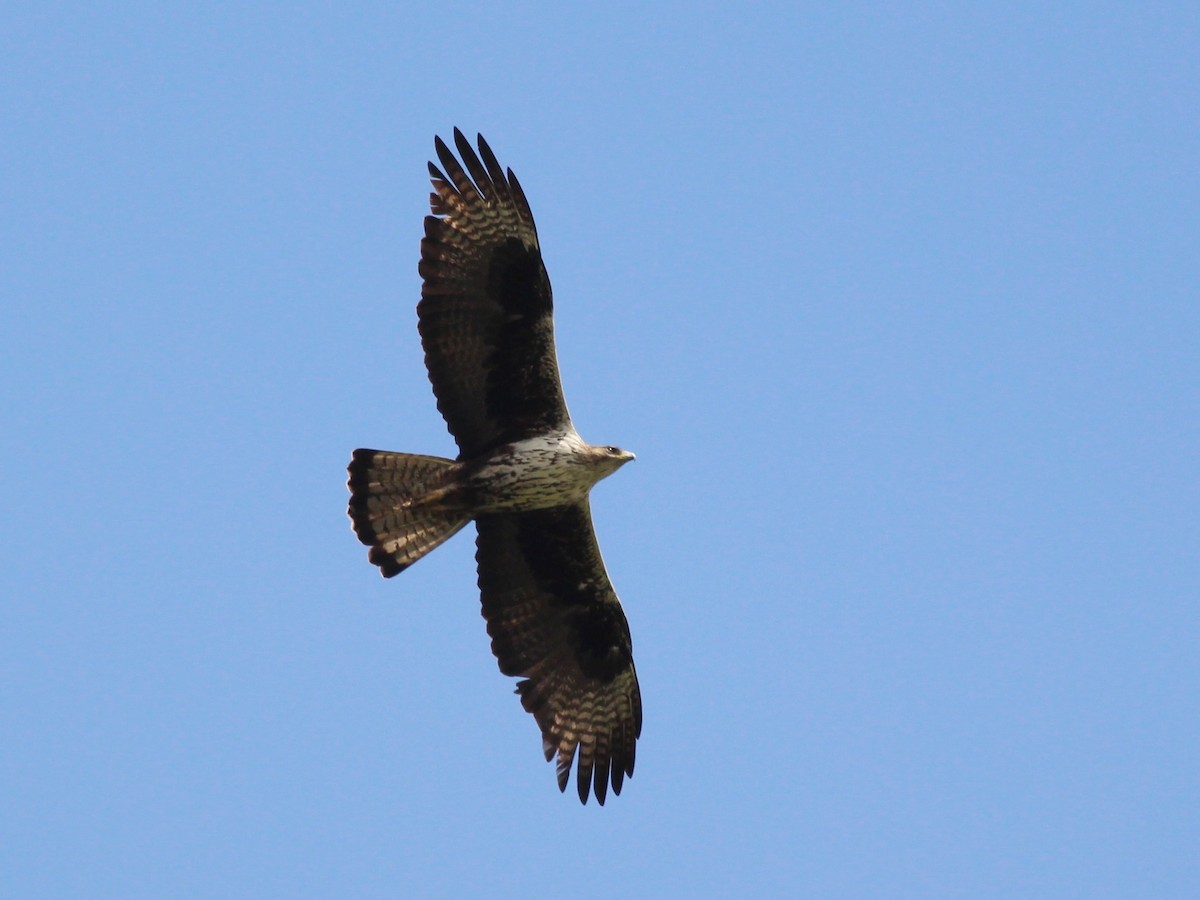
(485, 310)
(555, 621)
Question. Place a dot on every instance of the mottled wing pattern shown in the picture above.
(485, 310)
(555, 621)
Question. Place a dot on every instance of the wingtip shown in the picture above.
(461, 142)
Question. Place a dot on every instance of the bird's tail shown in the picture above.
(403, 505)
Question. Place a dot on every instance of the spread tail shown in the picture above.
(401, 506)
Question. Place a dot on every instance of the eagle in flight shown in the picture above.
(522, 473)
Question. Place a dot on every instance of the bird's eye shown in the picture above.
(613, 450)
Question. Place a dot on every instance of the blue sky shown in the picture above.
(896, 305)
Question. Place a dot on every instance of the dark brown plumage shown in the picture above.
(522, 474)
(485, 311)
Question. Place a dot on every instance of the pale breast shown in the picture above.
(540, 472)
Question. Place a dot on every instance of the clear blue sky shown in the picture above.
(899, 308)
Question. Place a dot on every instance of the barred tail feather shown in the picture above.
(401, 505)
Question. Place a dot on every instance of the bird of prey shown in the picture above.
(522, 473)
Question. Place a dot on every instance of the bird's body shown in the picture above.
(522, 474)
(541, 472)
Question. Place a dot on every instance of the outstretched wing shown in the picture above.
(555, 621)
(485, 310)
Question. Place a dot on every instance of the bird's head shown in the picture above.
(609, 459)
